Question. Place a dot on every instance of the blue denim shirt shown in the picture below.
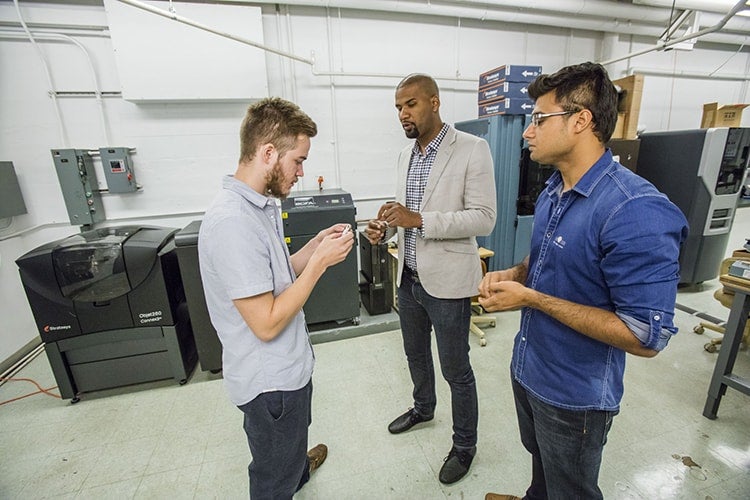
(611, 242)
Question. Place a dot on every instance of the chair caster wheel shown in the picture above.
(699, 329)
(493, 324)
(709, 347)
(75, 400)
(183, 381)
(482, 342)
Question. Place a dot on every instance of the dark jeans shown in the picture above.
(565, 445)
(276, 426)
(419, 312)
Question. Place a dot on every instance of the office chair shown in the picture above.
(478, 317)
(725, 297)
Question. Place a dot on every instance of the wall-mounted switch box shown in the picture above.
(118, 170)
(11, 198)
(75, 171)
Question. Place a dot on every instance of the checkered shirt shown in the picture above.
(416, 180)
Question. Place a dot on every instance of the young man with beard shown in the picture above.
(255, 292)
(445, 198)
(600, 282)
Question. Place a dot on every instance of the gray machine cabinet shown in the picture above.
(207, 342)
(701, 172)
(336, 295)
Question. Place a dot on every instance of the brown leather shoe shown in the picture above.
(496, 496)
(316, 456)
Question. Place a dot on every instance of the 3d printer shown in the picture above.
(110, 308)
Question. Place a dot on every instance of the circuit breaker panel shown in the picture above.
(75, 171)
(118, 170)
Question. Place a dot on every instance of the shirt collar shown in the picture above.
(590, 179)
(239, 187)
(434, 144)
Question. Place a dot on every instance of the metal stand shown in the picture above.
(723, 377)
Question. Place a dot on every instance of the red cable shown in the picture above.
(40, 391)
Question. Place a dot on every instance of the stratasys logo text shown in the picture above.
(48, 328)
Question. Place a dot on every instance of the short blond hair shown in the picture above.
(276, 121)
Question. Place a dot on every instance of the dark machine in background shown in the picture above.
(377, 290)
(701, 171)
(110, 308)
(304, 213)
(531, 183)
(626, 150)
(207, 342)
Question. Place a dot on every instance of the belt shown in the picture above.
(411, 272)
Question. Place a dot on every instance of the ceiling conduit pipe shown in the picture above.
(689, 74)
(739, 6)
(597, 16)
(703, 5)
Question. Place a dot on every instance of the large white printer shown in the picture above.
(110, 308)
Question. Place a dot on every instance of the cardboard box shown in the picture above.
(509, 73)
(504, 90)
(506, 107)
(729, 115)
(619, 127)
(629, 106)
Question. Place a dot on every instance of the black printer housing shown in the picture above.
(110, 307)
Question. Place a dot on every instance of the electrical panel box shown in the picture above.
(75, 171)
(11, 198)
(118, 170)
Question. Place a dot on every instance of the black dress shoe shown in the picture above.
(456, 466)
(406, 421)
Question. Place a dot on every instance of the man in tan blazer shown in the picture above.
(445, 198)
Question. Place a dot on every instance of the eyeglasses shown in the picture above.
(538, 118)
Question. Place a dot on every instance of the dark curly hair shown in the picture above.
(583, 86)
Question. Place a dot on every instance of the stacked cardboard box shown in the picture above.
(729, 115)
(504, 90)
(629, 107)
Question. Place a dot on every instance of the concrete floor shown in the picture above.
(162, 440)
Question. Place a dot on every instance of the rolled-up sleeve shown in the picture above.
(641, 266)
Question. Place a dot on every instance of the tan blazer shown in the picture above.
(459, 203)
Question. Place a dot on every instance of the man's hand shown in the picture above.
(504, 295)
(492, 277)
(375, 231)
(335, 229)
(397, 215)
(335, 245)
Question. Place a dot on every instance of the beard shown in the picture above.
(412, 133)
(275, 182)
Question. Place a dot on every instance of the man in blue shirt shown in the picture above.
(255, 292)
(600, 282)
